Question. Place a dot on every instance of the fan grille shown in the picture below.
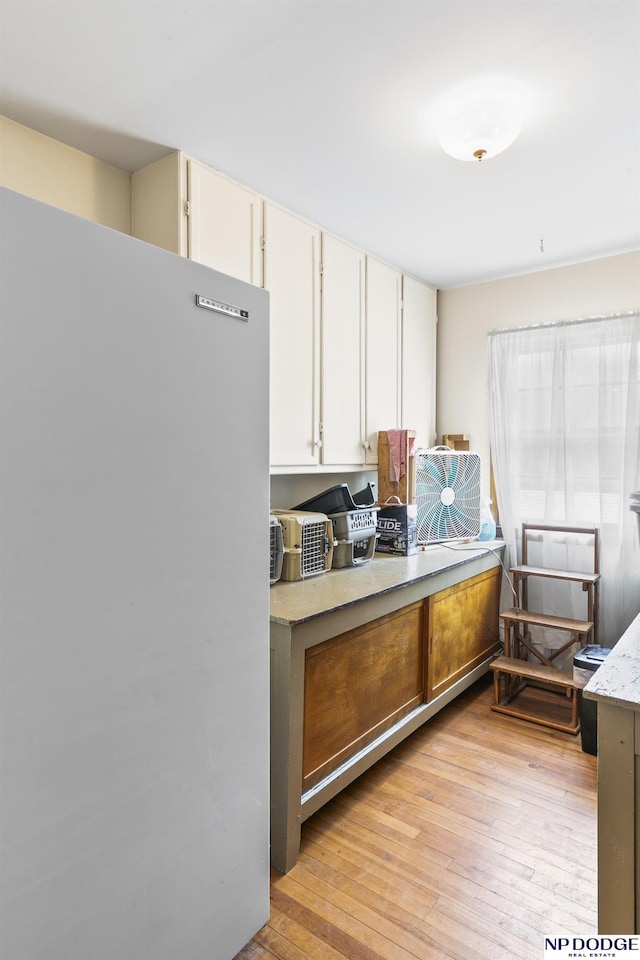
(448, 496)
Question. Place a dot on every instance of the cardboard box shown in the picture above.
(397, 526)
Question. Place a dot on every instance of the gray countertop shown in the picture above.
(617, 681)
(303, 600)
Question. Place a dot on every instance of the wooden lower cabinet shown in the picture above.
(358, 685)
(463, 629)
(352, 679)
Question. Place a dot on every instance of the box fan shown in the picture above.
(447, 495)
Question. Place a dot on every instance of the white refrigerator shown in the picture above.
(134, 607)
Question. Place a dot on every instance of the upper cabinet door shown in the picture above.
(419, 326)
(384, 285)
(224, 224)
(292, 277)
(343, 273)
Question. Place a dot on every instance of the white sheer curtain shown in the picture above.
(565, 446)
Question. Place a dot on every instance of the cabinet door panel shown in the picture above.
(343, 270)
(382, 353)
(463, 629)
(419, 325)
(225, 224)
(292, 277)
(359, 684)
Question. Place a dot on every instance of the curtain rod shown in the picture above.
(565, 323)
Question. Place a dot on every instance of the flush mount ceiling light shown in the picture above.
(480, 129)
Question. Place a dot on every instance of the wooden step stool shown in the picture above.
(506, 670)
(513, 672)
(590, 584)
(518, 644)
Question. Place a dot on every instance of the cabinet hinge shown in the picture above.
(186, 208)
(321, 269)
(262, 243)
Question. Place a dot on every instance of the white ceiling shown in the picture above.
(327, 107)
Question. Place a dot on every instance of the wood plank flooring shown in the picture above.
(472, 840)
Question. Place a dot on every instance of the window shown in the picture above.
(565, 429)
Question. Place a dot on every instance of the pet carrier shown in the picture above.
(276, 549)
(308, 543)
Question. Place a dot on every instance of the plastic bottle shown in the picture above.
(487, 522)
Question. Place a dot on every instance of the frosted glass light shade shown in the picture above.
(481, 130)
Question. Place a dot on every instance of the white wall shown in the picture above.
(467, 314)
(50, 171)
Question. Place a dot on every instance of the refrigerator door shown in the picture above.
(134, 598)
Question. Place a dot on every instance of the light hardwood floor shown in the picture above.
(472, 840)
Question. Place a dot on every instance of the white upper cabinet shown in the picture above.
(353, 342)
(224, 224)
(419, 326)
(343, 292)
(191, 209)
(292, 277)
(383, 353)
